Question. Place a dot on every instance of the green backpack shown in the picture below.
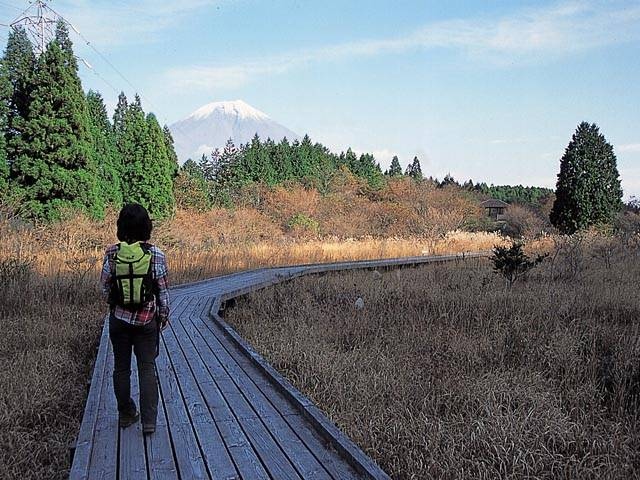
(132, 277)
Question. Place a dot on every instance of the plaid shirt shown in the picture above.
(159, 274)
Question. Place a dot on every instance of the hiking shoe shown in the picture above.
(148, 428)
(125, 420)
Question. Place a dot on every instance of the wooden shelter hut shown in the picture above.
(495, 208)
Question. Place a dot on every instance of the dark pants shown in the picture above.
(144, 340)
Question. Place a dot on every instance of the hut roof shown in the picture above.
(493, 203)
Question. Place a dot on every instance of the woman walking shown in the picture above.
(134, 283)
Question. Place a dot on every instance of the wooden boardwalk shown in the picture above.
(224, 412)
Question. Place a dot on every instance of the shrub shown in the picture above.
(512, 262)
(301, 223)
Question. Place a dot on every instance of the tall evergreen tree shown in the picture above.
(170, 145)
(107, 158)
(208, 165)
(148, 168)
(395, 170)
(54, 168)
(414, 170)
(588, 190)
(18, 63)
(119, 115)
(5, 98)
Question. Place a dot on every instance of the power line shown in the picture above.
(120, 74)
(39, 25)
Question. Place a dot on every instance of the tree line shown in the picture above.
(60, 153)
(216, 178)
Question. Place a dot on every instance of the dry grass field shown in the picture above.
(448, 373)
(51, 312)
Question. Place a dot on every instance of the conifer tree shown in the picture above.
(149, 170)
(283, 160)
(588, 190)
(170, 145)
(225, 169)
(119, 115)
(192, 168)
(395, 170)
(19, 64)
(130, 131)
(5, 97)
(208, 165)
(54, 168)
(414, 170)
(107, 157)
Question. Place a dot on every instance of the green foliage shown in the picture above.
(171, 150)
(5, 96)
(588, 190)
(107, 158)
(192, 169)
(300, 221)
(414, 170)
(310, 164)
(395, 170)
(54, 167)
(364, 166)
(18, 66)
(207, 165)
(149, 168)
(532, 196)
(119, 115)
(512, 263)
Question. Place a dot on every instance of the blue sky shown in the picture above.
(485, 90)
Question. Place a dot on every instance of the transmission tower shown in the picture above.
(39, 21)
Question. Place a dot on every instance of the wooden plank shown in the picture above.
(250, 409)
(104, 455)
(215, 454)
(187, 453)
(247, 379)
(133, 464)
(161, 465)
(84, 442)
(323, 450)
(234, 438)
(185, 446)
(311, 441)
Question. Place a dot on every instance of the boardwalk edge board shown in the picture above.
(329, 431)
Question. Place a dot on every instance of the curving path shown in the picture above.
(224, 412)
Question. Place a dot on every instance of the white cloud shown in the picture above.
(629, 147)
(529, 35)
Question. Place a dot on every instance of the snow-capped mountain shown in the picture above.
(213, 124)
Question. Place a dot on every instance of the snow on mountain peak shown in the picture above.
(210, 127)
(237, 108)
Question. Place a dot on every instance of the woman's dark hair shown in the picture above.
(134, 224)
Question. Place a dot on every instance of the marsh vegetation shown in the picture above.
(448, 373)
